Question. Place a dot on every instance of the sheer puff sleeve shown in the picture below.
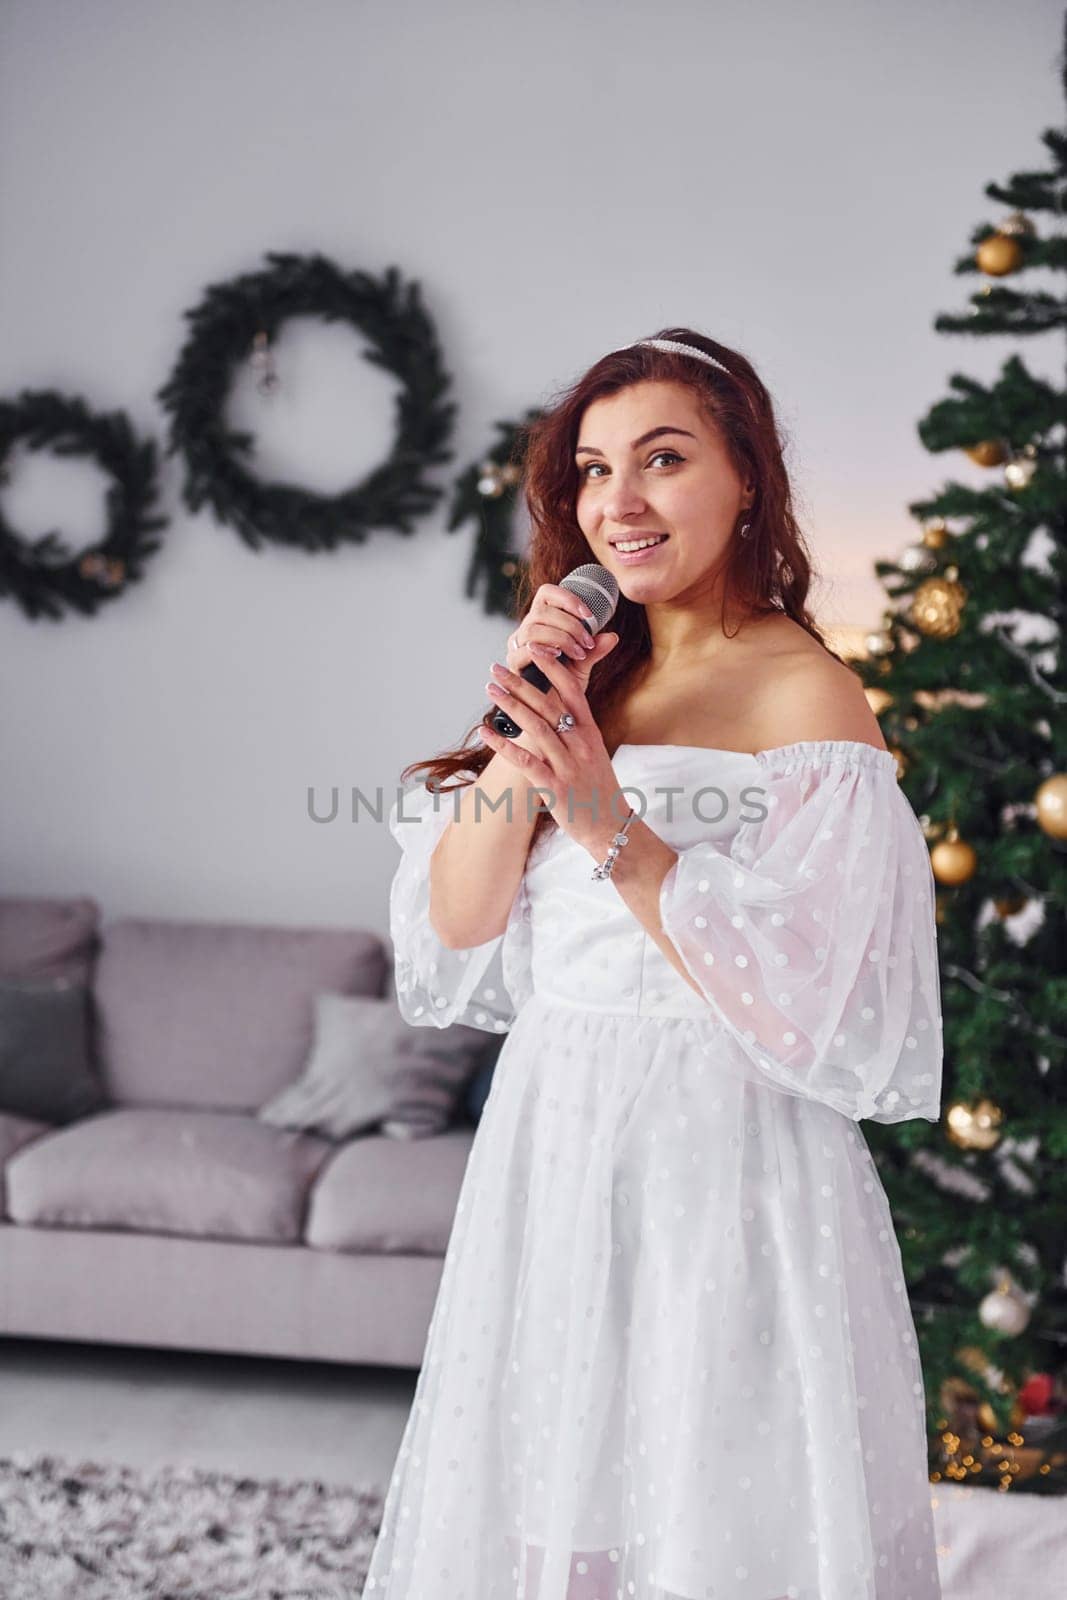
(482, 987)
(813, 935)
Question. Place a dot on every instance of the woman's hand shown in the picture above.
(552, 624)
(575, 765)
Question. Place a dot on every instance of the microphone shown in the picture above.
(599, 590)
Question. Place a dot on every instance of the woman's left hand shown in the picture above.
(575, 765)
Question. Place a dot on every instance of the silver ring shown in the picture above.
(565, 723)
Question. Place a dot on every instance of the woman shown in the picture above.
(672, 1353)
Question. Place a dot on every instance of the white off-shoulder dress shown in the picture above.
(672, 1355)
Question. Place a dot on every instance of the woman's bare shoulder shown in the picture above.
(807, 693)
(785, 637)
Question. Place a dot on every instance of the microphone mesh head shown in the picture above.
(597, 588)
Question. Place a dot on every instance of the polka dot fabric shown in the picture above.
(671, 1355)
(814, 936)
(482, 987)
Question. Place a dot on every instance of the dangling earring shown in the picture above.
(745, 528)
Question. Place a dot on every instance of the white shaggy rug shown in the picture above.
(90, 1530)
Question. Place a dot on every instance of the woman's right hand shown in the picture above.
(552, 627)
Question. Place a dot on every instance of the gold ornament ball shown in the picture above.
(936, 534)
(974, 1127)
(1051, 802)
(987, 453)
(936, 606)
(953, 860)
(998, 255)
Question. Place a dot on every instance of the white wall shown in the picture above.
(795, 180)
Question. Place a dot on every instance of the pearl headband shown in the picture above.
(682, 349)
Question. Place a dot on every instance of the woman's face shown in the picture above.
(680, 483)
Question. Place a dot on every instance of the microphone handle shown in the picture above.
(500, 720)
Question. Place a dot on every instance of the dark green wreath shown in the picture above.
(486, 493)
(42, 575)
(236, 321)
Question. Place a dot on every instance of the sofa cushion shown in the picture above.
(14, 1133)
(383, 1195)
(17, 1131)
(369, 1068)
(45, 1069)
(218, 1015)
(212, 1174)
(43, 937)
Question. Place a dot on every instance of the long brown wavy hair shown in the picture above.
(769, 570)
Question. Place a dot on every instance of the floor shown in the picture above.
(344, 1424)
(151, 1408)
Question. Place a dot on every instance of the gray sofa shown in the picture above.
(172, 1216)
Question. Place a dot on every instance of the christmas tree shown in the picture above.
(968, 680)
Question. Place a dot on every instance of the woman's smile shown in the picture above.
(644, 552)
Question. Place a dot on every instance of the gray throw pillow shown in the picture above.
(45, 1069)
(369, 1067)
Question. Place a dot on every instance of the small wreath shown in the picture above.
(236, 321)
(486, 493)
(42, 575)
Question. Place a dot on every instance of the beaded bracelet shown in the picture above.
(604, 870)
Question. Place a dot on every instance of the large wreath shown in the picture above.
(235, 322)
(43, 575)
